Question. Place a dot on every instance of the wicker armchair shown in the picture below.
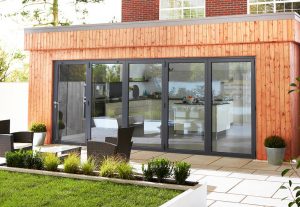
(9, 141)
(120, 145)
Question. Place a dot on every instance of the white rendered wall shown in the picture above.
(14, 105)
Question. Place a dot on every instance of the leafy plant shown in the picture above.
(162, 168)
(16, 159)
(182, 171)
(88, 167)
(33, 160)
(295, 86)
(51, 162)
(274, 142)
(38, 127)
(109, 166)
(148, 172)
(61, 124)
(124, 170)
(72, 163)
(295, 189)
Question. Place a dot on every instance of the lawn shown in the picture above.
(22, 190)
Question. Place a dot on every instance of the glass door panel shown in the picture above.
(71, 98)
(145, 100)
(231, 107)
(106, 101)
(186, 123)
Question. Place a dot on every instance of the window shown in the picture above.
(181, 9)
(273, 6)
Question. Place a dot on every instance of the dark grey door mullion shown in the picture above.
(125, 94)
(88, 98)
(208, 108)
(165, 106)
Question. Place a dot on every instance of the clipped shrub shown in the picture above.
(274, 141)
(88, 167)
(148, 172)
(33, 160)
(51, 162)
(16, 158)
(124, 170)
(72, 163)
(38, 127)
(109, 166)
(181, 172)
(162, 168)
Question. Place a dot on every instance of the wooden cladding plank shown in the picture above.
(232, 32)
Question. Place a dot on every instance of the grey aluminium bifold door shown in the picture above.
(70, 103)
(192, 105)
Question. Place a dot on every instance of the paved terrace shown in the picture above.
(232, 182)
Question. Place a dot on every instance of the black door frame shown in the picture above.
(165, 102)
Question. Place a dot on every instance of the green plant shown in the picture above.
(109, 166)
(148, 172)
(295, 86)
(51, 162)
(61, 125)
(293, 190)
(124, 170)
(15, 159)
(274, 142)
(181, 172)
(72, 163)
(38, 127)
(33, 160)
(162, 168)
(88, 167)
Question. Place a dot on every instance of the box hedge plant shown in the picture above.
(38, 127)
(274, 141)
(182, 171)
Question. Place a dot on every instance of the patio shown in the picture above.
(231, 181)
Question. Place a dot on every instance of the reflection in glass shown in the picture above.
(145, 88)
(71, 99)
(186, 106)
(231, 110)
(106, 105)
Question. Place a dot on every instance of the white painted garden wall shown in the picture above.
(14, 105)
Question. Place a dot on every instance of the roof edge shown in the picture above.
(157, 23)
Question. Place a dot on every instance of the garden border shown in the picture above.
(99, 178)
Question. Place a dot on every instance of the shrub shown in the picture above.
(61, 124)
(72, 163)
(38, 127)
(16, 159)
(88, 167)
(109, 166)
(162, 168)
(24, 159)
(33, 160)
(148, 172)
(51, 162)
(274, 142)
(124, 170)
(181, 172)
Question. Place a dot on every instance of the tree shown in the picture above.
(47, 12)
(6, 62)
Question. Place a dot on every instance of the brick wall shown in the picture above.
(140, 10)
(146, 10)
(225, 7)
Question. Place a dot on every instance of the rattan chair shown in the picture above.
(120, 146)
(8, 139)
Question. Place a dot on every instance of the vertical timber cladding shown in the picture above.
(274, 43)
